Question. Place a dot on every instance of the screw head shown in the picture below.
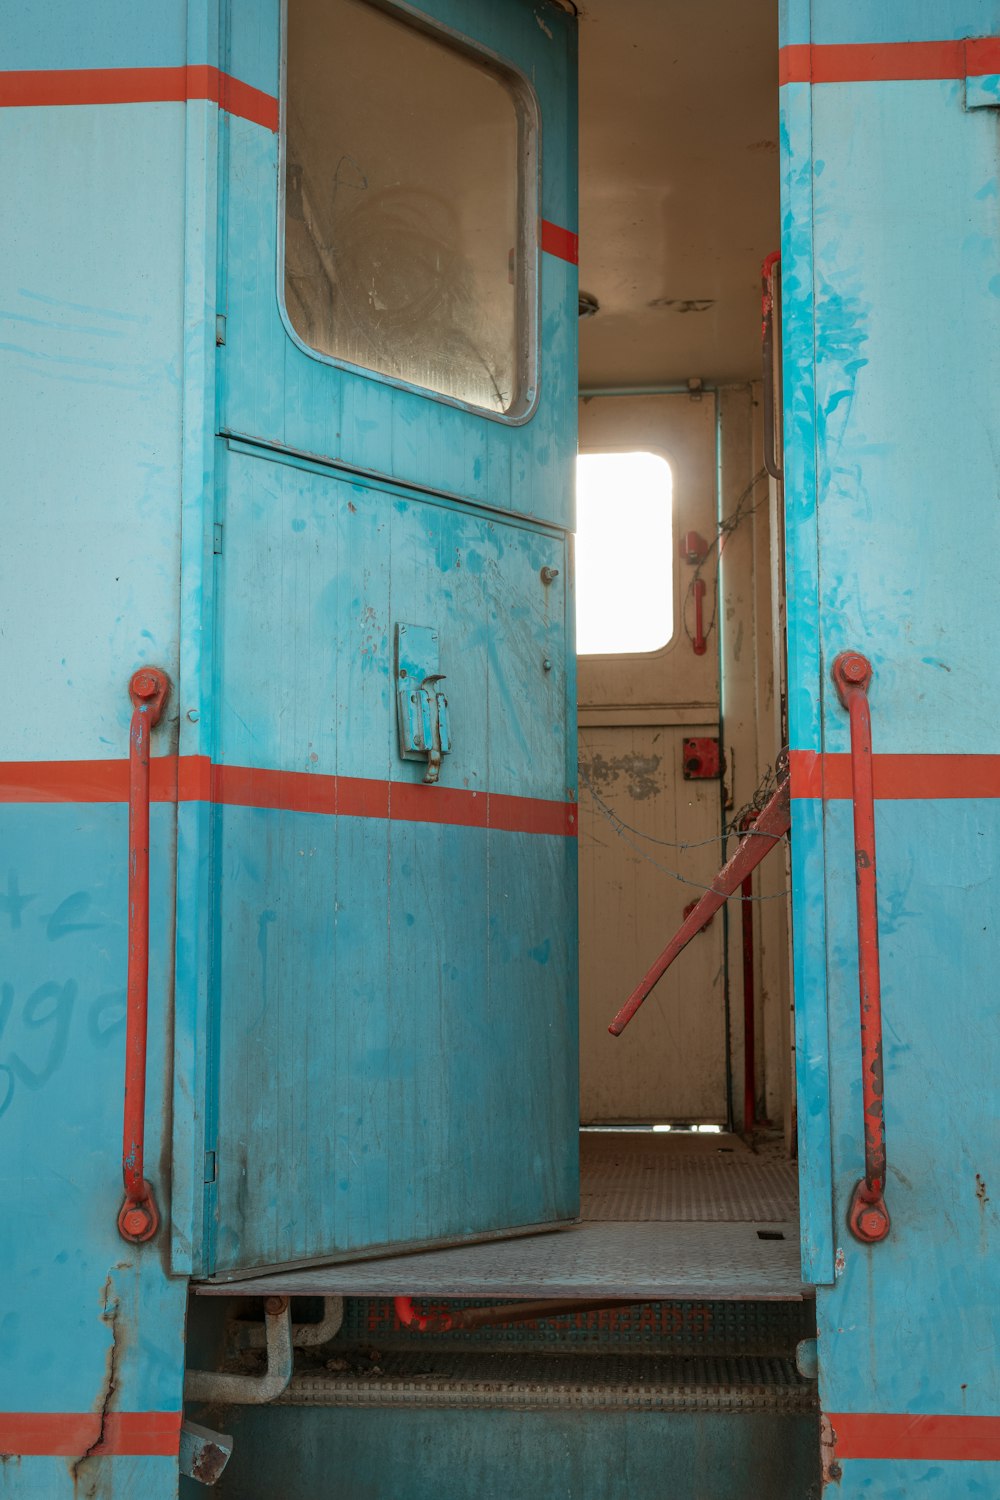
(144, 685)
(872, 1222)
(854, 668)
(135, 1221)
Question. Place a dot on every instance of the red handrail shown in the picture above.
(770, 824)
(867, 1217)
(139, 1217)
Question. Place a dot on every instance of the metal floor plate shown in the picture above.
(640, 1175)
(663, 1217)
(646, 1260)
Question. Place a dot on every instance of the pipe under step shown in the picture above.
(524, 1381)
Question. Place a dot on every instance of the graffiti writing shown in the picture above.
(36, 1020)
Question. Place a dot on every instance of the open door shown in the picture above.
(393, 995)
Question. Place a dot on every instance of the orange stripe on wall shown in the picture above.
(887, 62)
(897, 777)
(69, 86)
(931, 1438)
(561, 242)
(194, 779)
(61, 1434)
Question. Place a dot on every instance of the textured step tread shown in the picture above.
(646, 1382)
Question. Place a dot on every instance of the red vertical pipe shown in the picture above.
(138, 1218)
(749, 1016)
(699, 644)
(868, 1217)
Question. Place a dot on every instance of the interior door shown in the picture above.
(650, 816)
(394, 867)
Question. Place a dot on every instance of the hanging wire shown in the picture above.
(740, 512)
(623, 830)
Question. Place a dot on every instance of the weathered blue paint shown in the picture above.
(93, 363)
(891, 270)
(110, 364)
(410, 1023)
(886, 21)
(437, 1078)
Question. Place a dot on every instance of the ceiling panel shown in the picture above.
(678, 186)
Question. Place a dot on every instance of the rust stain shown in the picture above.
(981, 1192)
(831, 1470)
(85, 1485)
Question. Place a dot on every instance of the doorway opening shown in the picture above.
(690, 1112)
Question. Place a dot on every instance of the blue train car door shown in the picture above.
(390, 1052)
(891, 293)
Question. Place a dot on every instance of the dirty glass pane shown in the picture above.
(404, 204)
(624, 553)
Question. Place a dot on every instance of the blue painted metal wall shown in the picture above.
(94, 386)
(891, 285)
(112, 159)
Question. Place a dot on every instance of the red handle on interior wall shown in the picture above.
(139, 1218)
(699, 643)
(867, 1217)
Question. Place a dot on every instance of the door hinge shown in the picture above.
(217, 538)
(220, 328)
(209, 1166)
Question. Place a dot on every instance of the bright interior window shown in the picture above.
(624, 553)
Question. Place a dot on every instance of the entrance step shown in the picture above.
(676, 1328)
(595, 1259)
(523, 1381)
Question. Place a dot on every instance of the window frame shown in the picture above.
(529, 152)
(675, 635)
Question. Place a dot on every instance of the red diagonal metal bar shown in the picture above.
(138, 1218)
(771, 824)
(868, 1217)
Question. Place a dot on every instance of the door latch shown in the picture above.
(421, 706)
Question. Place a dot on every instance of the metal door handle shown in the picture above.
(867, 1217)
(139, 1218)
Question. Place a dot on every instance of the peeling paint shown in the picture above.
(832, 1472)
(639, 772)
(105, 1397)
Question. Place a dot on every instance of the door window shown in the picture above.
(408, 199)
(624, 553)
